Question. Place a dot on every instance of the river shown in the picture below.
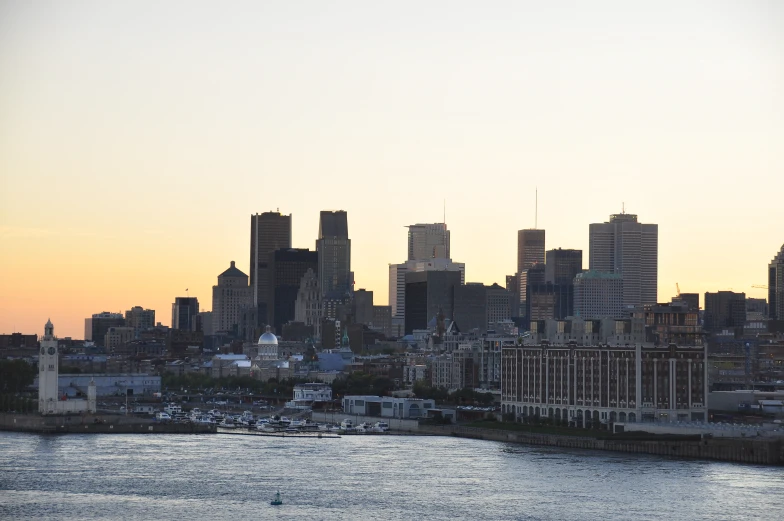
(366, 478)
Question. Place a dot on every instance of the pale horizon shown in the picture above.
(137, 139)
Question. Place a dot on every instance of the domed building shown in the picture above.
(268, 346)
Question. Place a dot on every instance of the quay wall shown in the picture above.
(96, 424)
(395, 424)
(763, 452)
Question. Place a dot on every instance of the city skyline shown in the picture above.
(126, 176)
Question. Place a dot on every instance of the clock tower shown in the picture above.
(48, 372)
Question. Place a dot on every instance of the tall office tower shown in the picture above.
(598, 294)
(528, 277)
(530, 248)
(362, 307)
(429, 293)
(428, 241)
(725, 310)
(630, 248)
(287, 268)
(184, 311)
(269, 231)
(229, 298)
(140, 319)
(307, 308)
(397, 279)
(776, 286)
(334, 255)
(561, 266)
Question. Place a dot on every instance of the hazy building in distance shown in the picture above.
(287, 268)
(498, 303)
(776, 286)
(530, 248)
(95, 328)
(598, 294)
(229, 297)
(535, 274)
(470, 307)
(725, 310)
(140, 319)
(269, 231)
(549, 301)
(362, 307)
(117, 337)
(629, 248)
(307, 308)
(184, 311)
(561, 266)
(334, 254)
(429, 293)
(203, 322)
(397, 279)
(428, 241)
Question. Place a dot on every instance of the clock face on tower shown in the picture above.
(43, 350)
(52, 350)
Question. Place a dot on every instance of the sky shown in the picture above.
(137, 138)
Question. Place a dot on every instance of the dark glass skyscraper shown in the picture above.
(287, 267)
(334, 255)
(269, 231)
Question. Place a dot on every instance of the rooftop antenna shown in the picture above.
(536, 209)
(623, 207)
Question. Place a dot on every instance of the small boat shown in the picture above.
(277, 500)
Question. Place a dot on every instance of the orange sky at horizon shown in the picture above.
(136, 140)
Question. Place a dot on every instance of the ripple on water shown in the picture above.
(369, 478)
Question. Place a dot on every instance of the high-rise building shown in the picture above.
(629, 248)
(725, 310)
(530, 248)
(140, 319)
(598, 294)
(229, 297)
(362, 307)
(397, 279)
(269, 231)
(561, 266)
(184, 311)
(95, 328)
(470, 307)
(287, 267)
(776, 286)
(428, 241)
(307, 308)
(535, 274)
(428, 294)
(334, 255)
(549, 301)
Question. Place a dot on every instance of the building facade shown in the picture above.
(184, 312)
(530, 248)
(588, 385)
(397, 279)
(307, 308)
(95, 328)
(269, 232)
(428, 295)
(776, 286)
(631, 249)
(428, 241)
(286, 270)
(334, 254)
(598, 294)
(561, 266)
(229, 297)
(140, 319)
(725, 310)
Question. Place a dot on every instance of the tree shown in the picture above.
(16, 376)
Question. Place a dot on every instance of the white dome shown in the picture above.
(268, 339)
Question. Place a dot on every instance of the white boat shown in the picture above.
(381, 427)
(162, 416)
(347, 424)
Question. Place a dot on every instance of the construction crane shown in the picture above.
(759, 286)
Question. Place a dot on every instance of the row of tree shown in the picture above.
(464, 396)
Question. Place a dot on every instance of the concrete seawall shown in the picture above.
(96, 424)
(395, 424)
(763, 452)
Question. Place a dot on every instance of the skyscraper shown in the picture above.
(184, 311)
(397, 279)
(334, 254)
(287, 268)
(530, 248)
(561, 266)
(229, 298)
(629, 248)
(429, 293)
(269, 231)
(725, 310)
(428, 241)
(776, 286)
